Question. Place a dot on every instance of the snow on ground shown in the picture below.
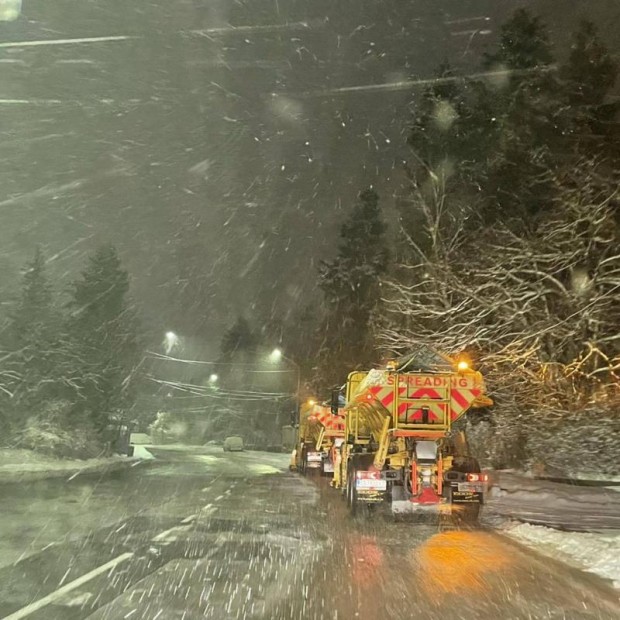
(20, 464)
(594, 552)
(554, 504)
(596, 477)
(140, 452)
(140, 438)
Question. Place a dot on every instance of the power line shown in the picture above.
(169, 358)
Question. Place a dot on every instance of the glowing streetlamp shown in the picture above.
(10, 10)
(275, 356)
(171, 341)
(213, 378)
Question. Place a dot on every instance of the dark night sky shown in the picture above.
(188, 141)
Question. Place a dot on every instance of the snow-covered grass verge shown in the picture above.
(596, 553)
(140, 452)
(20, 465)
(553, 504)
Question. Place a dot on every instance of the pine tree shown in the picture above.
(32, 341)
(588, 77)
(237, 349)
(102, 337)
(525, 104)
(452, 134)
(351, 289)
(34, 309)
(523, 45)
(239, 340)
(590, 71)
(490, 142)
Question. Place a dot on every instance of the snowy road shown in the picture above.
(203, 534)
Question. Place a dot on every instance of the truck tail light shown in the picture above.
(477, 477)
(368, 475)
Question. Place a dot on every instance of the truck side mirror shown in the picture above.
(335, 402)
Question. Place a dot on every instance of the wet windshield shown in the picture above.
(309, 309)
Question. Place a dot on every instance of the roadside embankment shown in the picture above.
(558, 505)
(575, 521)
(19, 465)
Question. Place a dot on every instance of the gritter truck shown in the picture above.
(320, 432)
(399, 445)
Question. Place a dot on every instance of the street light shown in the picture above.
(213, 378)
(275, 356)
(171, 340)
(10, 10)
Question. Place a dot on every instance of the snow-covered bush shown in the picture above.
(159, 429)
(579, 443)
(50, 439)
(537, 308)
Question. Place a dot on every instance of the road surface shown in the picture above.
(200, 533)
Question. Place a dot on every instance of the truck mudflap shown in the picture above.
(328, 466)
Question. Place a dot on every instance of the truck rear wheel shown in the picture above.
(303, 465)
(348, 490)
(358, 462)
(352, 498)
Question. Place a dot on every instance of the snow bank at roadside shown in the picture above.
(20, 465)
(554, 504)
(140, 452)
(596, 553)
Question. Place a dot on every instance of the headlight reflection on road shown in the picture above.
(454, 562)
(207, 458)
(366, 560)
(261, 468)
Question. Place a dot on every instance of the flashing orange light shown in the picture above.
(311, 402)
(463, 365)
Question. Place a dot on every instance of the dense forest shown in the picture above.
(505, 248)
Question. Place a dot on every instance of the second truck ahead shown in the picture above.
(399, 446)
(320, 431)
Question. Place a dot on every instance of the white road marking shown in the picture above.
(189, 519)
(30, 101)
(42, 42)
(163, 535)
(208, 510)
(57, 594)
(26, 611)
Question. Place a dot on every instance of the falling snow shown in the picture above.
(213, 149)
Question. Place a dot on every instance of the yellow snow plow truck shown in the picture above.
(399, 444)
(319, 432)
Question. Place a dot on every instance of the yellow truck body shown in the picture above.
(399, 444)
